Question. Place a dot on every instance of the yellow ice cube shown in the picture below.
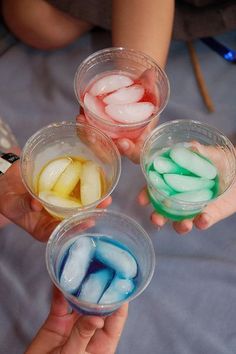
(51, 172)
(68, 179)
(90, 183)
(54, 199)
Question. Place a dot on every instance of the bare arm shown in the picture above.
(144, 25)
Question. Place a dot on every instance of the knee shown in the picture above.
(39, 24)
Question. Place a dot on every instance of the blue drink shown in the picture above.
(97, 269)
(100, 259)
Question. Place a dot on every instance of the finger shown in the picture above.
(114, 324)
(81, 118)
(217, 210)
(183, 227)
(82, 333)
(59, 306)
(151, 125)
(205, 220)
(148, 129)
(158, 219)
(60, 320)
(112, 330)
(105, 203)
(143, 198)
(129, 149)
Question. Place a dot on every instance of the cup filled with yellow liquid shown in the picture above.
(70, 167)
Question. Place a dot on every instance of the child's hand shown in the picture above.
(17, 205)
(213, 213)
(132, 148)
(216, 211)
(71, 333)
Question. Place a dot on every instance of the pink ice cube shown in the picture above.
(125, 95)
(131, 112)
(110, 83)
(94, 105)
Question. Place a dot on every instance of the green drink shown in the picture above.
(187, 164)
(181, 183)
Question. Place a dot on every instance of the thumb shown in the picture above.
(129, 149)
(217, 210)
(82, 333)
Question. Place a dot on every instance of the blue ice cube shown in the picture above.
(77, 263)
(95, 284)
(117, 258)
(118, 290)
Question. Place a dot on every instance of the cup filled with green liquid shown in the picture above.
(187, 164)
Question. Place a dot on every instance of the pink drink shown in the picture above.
(121, 91)
(118, 98)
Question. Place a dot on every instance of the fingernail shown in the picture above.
(205, 220)
(124, 145)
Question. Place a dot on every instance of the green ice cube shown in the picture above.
(158, 182)
(181, 183)
(194, 196)
(193, 162)
(165, 165)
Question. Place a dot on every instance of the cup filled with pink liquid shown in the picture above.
(121, 91)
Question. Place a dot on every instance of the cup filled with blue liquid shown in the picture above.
(99, 260)
(187, 165)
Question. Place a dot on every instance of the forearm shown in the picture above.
(144, 25)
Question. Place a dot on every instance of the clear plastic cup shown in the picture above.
(114, 225)
(69, 139)
(126, 61)
(205, 140)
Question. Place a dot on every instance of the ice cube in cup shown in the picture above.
(102, 265)
(121, 91)
(187, 164)
(70, 167)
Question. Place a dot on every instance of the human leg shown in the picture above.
(41, 25)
